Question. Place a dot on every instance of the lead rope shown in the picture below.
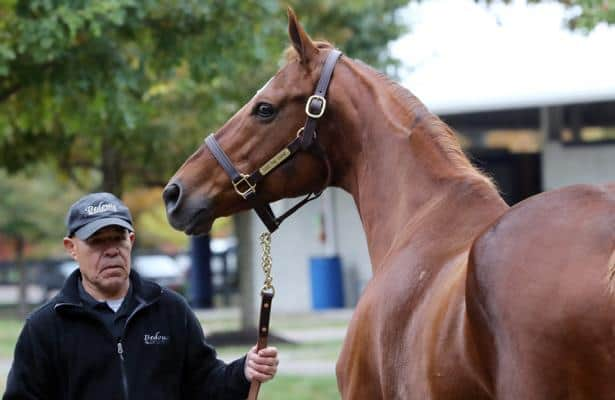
(267, 293)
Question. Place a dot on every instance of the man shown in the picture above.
(111, 335)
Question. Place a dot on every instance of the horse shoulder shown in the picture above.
(360, 356)
(376, 357)
(407, 337)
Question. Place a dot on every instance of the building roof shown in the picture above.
(504, 57)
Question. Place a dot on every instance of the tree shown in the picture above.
(79, 76)
(31, 210)
(114, 92)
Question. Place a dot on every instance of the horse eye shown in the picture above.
(264, 111)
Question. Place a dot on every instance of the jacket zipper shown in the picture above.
(120, 352)
(120, 347)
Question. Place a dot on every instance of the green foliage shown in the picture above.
(33, 209)
(361, 28)
(153, 228)
(114, 93)
(592, 13)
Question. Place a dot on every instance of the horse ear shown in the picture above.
(300, 39)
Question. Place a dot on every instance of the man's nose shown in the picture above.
(112, 249)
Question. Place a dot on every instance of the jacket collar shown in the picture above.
(145, 291)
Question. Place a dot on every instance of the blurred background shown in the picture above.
(112, 95)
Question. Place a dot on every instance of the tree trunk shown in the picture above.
(23, 277)
(111, 168)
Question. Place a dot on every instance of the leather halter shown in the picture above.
(245, 185)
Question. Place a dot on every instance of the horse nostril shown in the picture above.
(172, 196)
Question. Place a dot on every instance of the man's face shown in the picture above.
(104, 261)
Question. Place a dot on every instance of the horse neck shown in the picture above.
(411, 186)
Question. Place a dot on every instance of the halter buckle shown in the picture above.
(323, 106)
(300, 132)
(247, 191)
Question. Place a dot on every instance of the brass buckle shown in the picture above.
(250, 187)
(322, 109)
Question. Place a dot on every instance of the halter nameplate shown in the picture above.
(274, 162)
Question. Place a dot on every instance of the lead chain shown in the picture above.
(266, 263)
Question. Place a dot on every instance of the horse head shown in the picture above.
(262, 153)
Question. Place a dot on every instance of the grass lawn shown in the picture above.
(316, 351)
(300, 388)
(9, 330)
(285, 387)
(296, 387)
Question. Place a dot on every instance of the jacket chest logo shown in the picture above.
(156, 338)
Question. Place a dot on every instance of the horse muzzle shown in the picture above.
(186, 213)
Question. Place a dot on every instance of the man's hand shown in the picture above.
(263, 365)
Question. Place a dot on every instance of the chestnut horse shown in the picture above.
(469, 299)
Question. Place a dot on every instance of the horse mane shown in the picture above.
(611, 275)
(445, 138)
(442, 135)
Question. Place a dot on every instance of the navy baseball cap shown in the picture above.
(95, 211)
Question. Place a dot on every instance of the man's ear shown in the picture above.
(69, 246)
(132, 237)
(300, 39)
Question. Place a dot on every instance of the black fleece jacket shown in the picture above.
(65, 352)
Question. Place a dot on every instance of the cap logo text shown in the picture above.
(100, 208)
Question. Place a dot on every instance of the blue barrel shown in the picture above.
(327, 284)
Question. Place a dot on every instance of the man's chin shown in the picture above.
(113, 273)
(113, 283)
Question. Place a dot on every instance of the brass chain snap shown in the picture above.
(266, 263)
